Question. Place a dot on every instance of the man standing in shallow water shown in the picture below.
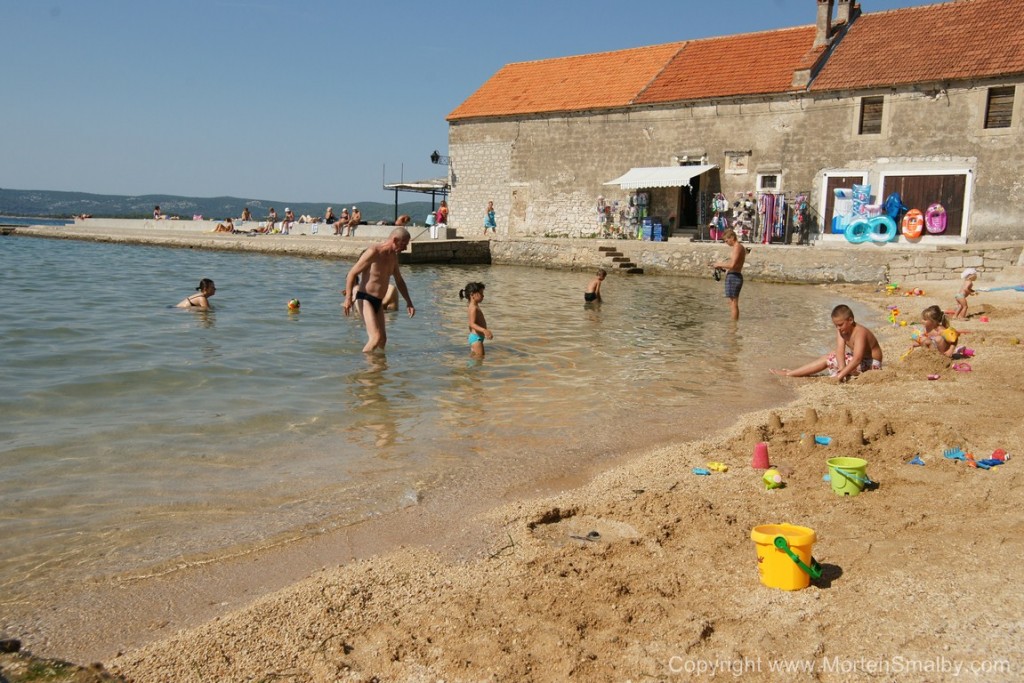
(377, 265)
(733, 271)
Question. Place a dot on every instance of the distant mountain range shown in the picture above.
(50, 204)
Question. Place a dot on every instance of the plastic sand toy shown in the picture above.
(954, 454)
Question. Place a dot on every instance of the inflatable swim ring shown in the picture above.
(913, 224)
(857, 231)
(876, 235)
(935, 219)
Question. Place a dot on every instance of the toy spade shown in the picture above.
(814, 571)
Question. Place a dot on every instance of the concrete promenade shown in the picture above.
(823, 262)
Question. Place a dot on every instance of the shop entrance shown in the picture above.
(688, 208)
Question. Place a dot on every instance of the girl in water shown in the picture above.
(206, 289)
(478, 331)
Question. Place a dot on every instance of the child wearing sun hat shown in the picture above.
(968, 276)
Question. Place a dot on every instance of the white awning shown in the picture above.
(659, 176)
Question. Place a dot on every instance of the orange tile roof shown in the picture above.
(596, 81)
(954, 40)
(748, 64)
(949, 41)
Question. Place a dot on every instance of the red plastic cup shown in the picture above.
(760, 461)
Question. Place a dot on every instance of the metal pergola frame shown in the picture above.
(431, 186)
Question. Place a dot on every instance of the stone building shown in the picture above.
(924, 101)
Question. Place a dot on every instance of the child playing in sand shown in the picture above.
(593, 291)
(968, 276)
(938, 334)
(864, 354)
(474, 291)
(206, 289)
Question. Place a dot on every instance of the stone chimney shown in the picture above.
(824, 24)
(846, 11)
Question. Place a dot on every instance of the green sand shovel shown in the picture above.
(814, 571)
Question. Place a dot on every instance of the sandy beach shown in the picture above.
(648, 571)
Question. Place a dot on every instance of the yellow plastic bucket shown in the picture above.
(849, 476)
(784, 557)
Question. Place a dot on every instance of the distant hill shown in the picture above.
(51, 204)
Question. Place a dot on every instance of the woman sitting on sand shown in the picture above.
(206, 289)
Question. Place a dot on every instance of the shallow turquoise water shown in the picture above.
(134, 433)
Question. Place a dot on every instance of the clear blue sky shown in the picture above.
(291, 100)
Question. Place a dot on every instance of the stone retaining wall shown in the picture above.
(826, 262)
(772, 263)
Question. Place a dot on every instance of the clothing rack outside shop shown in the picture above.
(757, 217)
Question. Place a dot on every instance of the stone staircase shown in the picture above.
(621, 262)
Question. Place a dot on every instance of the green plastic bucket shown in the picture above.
(849, 476)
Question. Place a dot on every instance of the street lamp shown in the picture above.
(437, 158)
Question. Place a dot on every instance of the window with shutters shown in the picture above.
(999, 108)
(870, 115)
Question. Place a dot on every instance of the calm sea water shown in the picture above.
(135, 434)
(20, 220)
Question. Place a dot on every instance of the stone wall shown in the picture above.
(947, 264)
(544, 173)
(818, 264)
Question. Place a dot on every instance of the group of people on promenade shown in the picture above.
(344, 224)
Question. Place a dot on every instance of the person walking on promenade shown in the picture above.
(489, 220)
(374, 269)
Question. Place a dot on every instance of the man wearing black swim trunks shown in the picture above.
(374, 269)
(733, 274)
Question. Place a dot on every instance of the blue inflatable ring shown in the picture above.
(876, 235)
(858, 231)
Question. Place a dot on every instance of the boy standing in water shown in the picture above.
(377, 265)
(593, 291)
(733, 271)
(864, 351)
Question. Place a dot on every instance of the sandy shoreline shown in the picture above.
(917, 572)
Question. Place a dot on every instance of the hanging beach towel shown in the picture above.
(935, 219)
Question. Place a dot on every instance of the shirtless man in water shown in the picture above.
(377, 265)
(864, 351)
